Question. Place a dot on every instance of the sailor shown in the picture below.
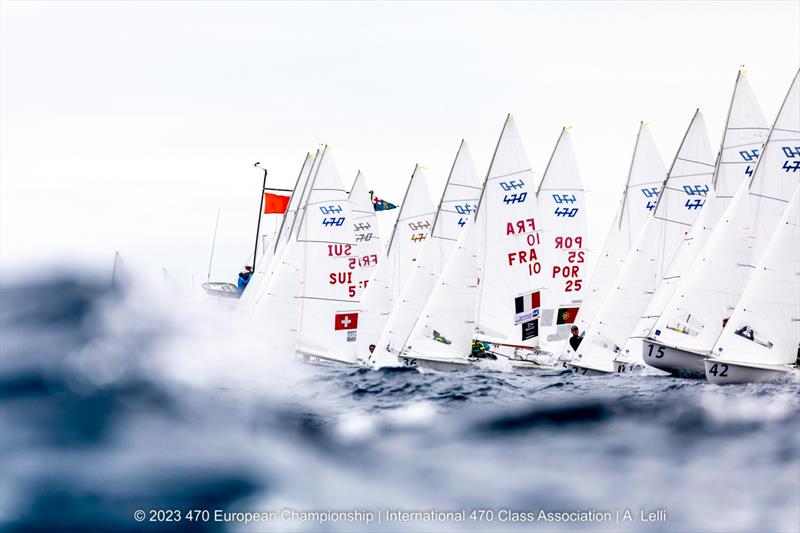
(576, 338)
(244, 278)
(746, 332)
(371, 348)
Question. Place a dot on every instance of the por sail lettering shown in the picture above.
(569, 242)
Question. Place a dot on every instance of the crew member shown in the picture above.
(576, 338)
(244, 278)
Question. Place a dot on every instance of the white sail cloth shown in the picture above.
(411, 228)
(680, 201)
(459, 200)
(645, 177)
(708, 292)
(306, 308)
(509, 295)
(745, 131)
(563, 220)
(765, 326)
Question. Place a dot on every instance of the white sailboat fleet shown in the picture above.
(497, 271)
(680, 200)
(694, 318)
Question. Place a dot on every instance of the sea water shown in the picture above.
(128, 410)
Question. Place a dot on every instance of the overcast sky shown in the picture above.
(124, 126)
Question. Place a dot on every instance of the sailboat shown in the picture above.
(761, 341)
(745, 130)
(459, 199)
(562, 217)
(512, 278)
(645, 177)
(680, 201)
(410, 231)
(367, 237)
(442, 336)
(307, 308)
(693, 319)
(265, 265)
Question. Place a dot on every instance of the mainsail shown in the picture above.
(709, 290)
(745, 130)
(410, 230)
(680, 201)
(459, 200)
(367, 237)
(645, 177)
(765, 326)
(306, 308)
(265, 264)
(446, 326)
(562, 219)
(509, 296)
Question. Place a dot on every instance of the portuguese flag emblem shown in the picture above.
(567, 315)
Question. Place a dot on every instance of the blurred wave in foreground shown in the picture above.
(115, 400)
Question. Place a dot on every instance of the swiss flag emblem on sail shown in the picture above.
(346, 321)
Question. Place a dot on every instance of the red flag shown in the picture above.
(275, 203)
(346, 321)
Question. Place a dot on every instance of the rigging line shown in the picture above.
(754, 143)
(509, 174)
(320, 298)
(768, 198)
(697, 162)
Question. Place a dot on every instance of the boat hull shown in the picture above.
(723, 372)
(531, 366)
(433, 364)
(627, 367)
(679, 363)
(586, 371)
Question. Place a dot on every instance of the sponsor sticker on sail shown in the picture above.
(526, 307)
(530, 329)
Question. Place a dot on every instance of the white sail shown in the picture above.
(509, 296)
(411, 229)
(459, 199)
(367, 236)
(264, 265)
(745, 130)
(645, 177)
(562, 219)
(329, 308)
(682, 197)
(765, 326)
(446, 325)
(306, 308)
(708, 292)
